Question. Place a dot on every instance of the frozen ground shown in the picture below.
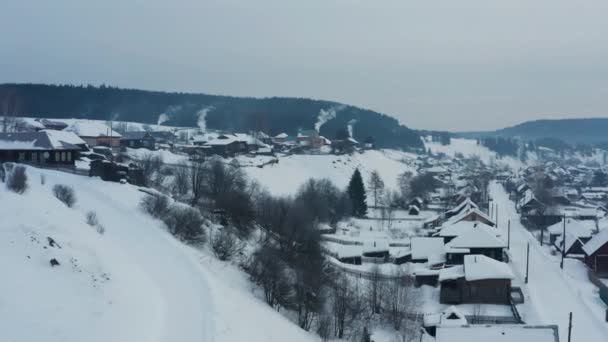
(133, 283)
(554, 292)
(285, 177)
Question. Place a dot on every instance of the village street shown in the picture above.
(554, 295)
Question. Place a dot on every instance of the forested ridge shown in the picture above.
(240, 114)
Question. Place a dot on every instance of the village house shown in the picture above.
(227, 145)
(96, 134)
(138, 140)
(479, 241)
(426, 249)
(42, 147)
(579, 229)
(481, 280)
(596, 253)
(310, 139)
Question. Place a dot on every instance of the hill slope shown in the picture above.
(270, 115)
(572, 131)
(133, 283)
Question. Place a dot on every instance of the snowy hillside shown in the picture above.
(470, 148)
(134, 282)
(292, 171)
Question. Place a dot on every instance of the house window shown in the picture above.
(35, 157)
(69, 156)
(57, 156)
(132, 143)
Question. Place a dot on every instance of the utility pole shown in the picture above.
(509, 235)
(497, 215)
(561, 264)
(527, 262)
(570, 327)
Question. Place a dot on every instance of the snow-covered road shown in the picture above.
(553, 296)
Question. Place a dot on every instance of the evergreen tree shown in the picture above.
(356, 192)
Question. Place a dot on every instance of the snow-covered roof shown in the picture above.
(480, 267)
(596, 242)
(459, 228)
(466, 204)
(41, 140)
(91, 129)
(571, 239)
(451, 273)
(452, 317)
(424, 247)
(478, 237)
(497, 333)
(465, 213)
(574, 227)
(281, 135)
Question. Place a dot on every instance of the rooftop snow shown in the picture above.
(424, 247)
(596, 242)
(91, 129)
(478, 238)
(497, 333)
(479, 267)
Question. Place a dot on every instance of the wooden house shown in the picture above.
(310, 139)
(42, 147)
(481, 280)
(138, 140)
(596, 253)
(479, 241)
(413, 210)
(96, 134)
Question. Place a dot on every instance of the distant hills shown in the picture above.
(572, 131)
(239, 114)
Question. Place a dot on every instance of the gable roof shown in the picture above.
(478, 237)
(480, 267)
(41, 140)
(574, 227)
(596, 242)
(91, 129)
(473, 211)
(459, 228)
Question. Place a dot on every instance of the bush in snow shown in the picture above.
(100, 229)
(155, 205)
(65, 194)
(185, 222)
(225, 245)
(16, 178)
(92, 218)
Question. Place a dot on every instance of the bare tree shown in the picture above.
(150, 164)
(374, 290)
(400, 300)
(181, 180)
(376, 184)
(268, 270)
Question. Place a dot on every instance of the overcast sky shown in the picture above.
(455, 65)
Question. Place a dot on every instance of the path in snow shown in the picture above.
(175, 270)
(554, 298)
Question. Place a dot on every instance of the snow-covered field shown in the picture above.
(135, 282)
(553, 292)
(469, 148)
(291, 172)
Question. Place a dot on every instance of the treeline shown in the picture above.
(502, 146)
(270, 115)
